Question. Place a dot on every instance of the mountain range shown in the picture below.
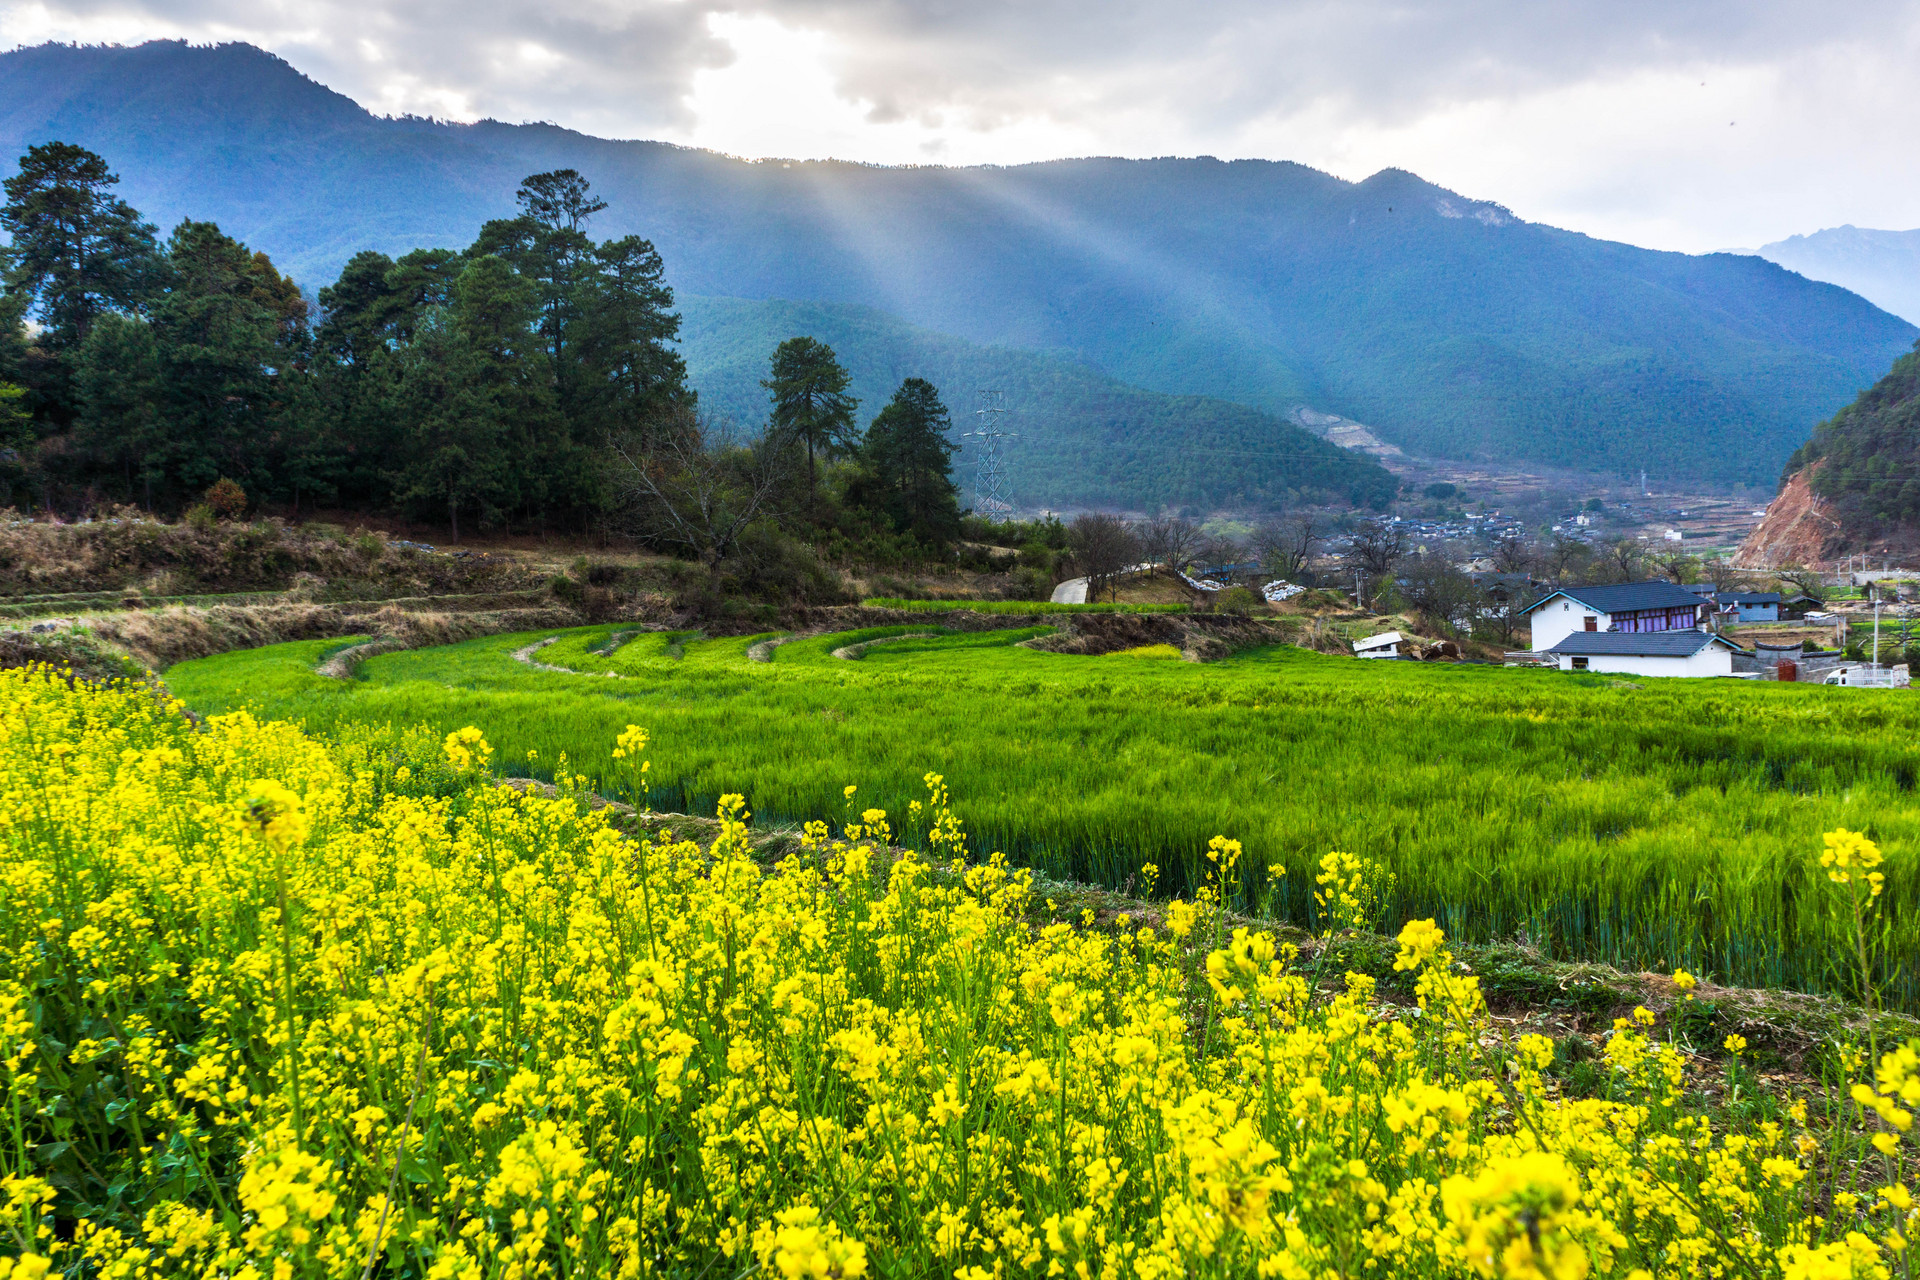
(1150, 295)
(1881, 266)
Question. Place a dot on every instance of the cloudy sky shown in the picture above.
(1684, 124)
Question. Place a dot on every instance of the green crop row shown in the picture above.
(1656, 824)
(1015, 606)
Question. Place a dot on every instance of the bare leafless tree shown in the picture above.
(1804, 582)
(1375, 548)
(1286, 547)
(1501, 614)
(1102, 546)
(1677, 565)
(1151, 537)
(1720, 572)
(1378, 545)
(691, 489)
(1513, 552)
(1217, 550)
(1564, 557)
(1622, 560)
(1170, 541)
(1439, 593)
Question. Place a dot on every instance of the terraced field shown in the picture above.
(1654, 823)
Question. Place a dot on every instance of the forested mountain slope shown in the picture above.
(1079, 434)
(1448, 324)
(1865, 461)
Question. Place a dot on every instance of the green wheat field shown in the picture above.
(1647, 823)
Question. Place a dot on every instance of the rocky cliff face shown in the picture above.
(1798, 530)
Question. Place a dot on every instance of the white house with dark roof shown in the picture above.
(1629, 607)
(1677, 652)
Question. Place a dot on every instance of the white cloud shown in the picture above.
(1690, 124)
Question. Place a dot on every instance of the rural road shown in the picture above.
(1074, 590)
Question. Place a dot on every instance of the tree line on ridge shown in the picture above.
(529, 381)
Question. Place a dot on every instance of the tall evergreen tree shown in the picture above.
(122, 401)
(604, 320)
(810, 401)
(549, 245)
(17, 431)
(355, 380)
(639, 381)
(77, 250)
(477, 402)
(417, 283)
(227, 328)
(480, 385)
(77, 253)
(16, 435)
(910, 461)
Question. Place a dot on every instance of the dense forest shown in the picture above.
(1449, 325)
(476, 383)
(1868, 455)
(500, 384)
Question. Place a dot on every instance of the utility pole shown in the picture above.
(1876, 629)
(990, 479)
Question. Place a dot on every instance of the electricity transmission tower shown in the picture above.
(990, 476)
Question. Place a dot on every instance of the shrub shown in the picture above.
(227, 499)
(1028, 583)
(599, 573)
(770, 565)
(566, 590)
(1237, 600)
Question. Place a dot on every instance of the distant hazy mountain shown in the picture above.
(1078, 434)
(1881, 266)
(1445, 323)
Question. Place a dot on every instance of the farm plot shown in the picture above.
(1656, 824)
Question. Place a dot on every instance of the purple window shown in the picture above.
(1678, 619)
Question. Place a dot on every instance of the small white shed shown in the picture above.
(1385, 645)
(1647, 653)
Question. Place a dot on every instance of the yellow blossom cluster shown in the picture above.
(1849, 855)
(279, 1007)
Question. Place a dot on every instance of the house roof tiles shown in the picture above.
(1678, 643)
(1625, 597)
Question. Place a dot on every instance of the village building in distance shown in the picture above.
(1632, 628)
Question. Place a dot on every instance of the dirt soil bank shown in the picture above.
(1797, 530)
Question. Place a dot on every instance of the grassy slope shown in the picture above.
(1655, 824)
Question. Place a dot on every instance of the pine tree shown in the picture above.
(911, 461)
(122, 400)
(77, 251)
(810, 401)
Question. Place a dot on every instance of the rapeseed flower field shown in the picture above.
(278, 1007)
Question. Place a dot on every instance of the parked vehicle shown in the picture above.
(1865, 675)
